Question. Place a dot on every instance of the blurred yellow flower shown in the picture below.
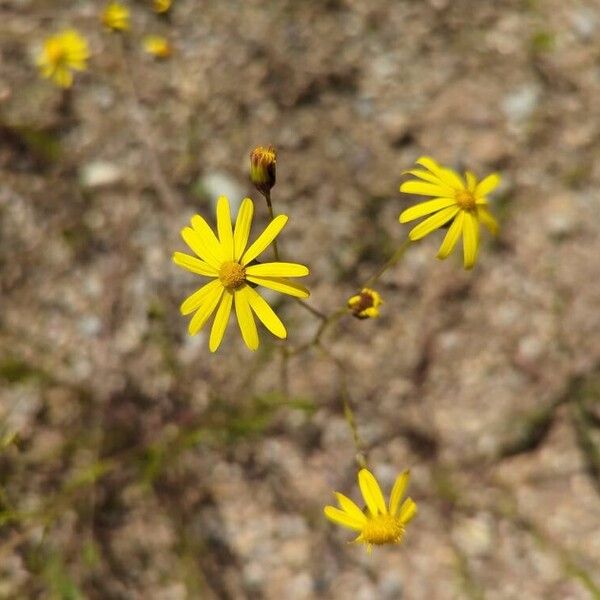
(464, 202)
(263, 162)
(162, 6)
(234, 271)
(377, 525)
(366, 304)
(62, 54)
(116, 16)
(158, 46)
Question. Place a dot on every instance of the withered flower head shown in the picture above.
(366, 304)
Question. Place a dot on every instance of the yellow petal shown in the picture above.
(432, 223)
(448, 176)
(470, 239)
(488, 220)
(452, 236)
(245, 318)
(206, 309)
(277, 269)
(63, 77)
(425, 208)
(353, 301)
(423, 189)
(339, 517)
(452, 179)
(224, 228)
(408, 511)
(243, 223)
(371, 492)
(487, 185)
(191, 303)
(350, 508)
(398, 491)
(266, 314)
(193, 264)
(426, 176)
(429, 163)
(280, 285)
(471, 181)
(265, 238)
(207, 242)
(220, 323)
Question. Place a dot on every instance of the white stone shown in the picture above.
(100, 174)
(221, 184)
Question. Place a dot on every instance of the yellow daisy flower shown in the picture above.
(158, 46)
(464, 202)
(116, 17)
(366, 304)
(162, 6)
(377, 524)
(62, 54)
(236, 273)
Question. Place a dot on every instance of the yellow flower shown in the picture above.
(263, 163)
(62, 54)
(116, 17)
(464, 202)
(162, 6)
(158, 46)
(377, 524)
(366, 304)
(236, 273)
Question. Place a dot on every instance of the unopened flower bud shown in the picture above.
(262, 168)
(366, 304)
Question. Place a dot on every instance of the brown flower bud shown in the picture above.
(262, 168)
(366, 304)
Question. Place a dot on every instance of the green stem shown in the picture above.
(316, 313)
(390, 263)
(348, 412)
(267, 196)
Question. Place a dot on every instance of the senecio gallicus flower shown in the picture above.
(162, 6)
(366, 304)
(378, 524)
(234, 271)
(116, 17)
(263, 162)
(464, 202)
(62, 54)
(157, 46)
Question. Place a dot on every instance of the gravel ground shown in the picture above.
(144, 467)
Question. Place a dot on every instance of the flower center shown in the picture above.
(56, 53)
(383, 529)
(465, 200)
(232, 275)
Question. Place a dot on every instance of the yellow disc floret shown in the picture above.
(466, 200)
(383, 529)
(232, 275)
(56, 52)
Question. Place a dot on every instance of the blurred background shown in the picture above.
(135, 464)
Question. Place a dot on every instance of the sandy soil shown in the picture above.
(144, 467)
